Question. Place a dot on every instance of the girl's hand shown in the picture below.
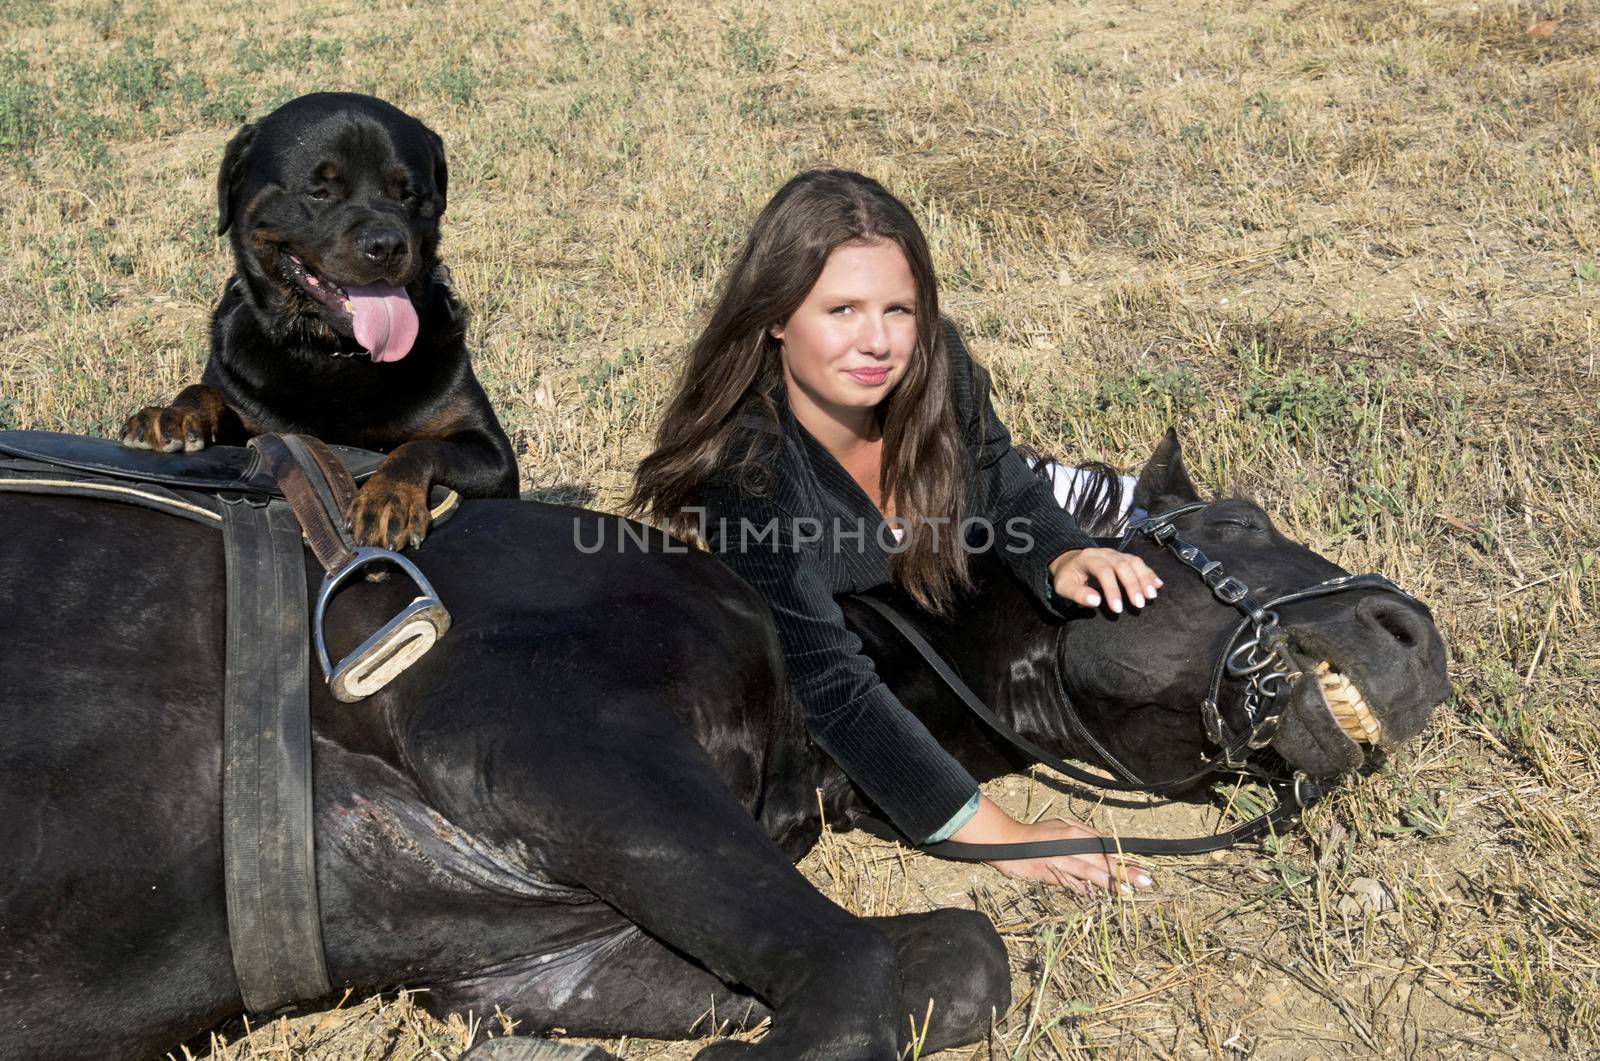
(1081, 873)
(1075, 572)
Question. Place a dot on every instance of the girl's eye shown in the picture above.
(840, 309)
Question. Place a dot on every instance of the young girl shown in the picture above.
(833, 434)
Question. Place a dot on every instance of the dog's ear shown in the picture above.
(441, 169)
(231, 176)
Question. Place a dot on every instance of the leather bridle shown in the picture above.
(1262, 661)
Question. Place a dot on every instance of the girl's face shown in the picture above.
(849, 342)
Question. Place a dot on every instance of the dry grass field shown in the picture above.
(1351, 249)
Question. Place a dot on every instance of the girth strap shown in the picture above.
(269, 864)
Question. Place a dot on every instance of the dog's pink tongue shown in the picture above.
(385, 321)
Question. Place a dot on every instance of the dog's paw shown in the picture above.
(166, 429)
(388, 513)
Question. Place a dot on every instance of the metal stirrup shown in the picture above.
(319, 490)
(396, 645)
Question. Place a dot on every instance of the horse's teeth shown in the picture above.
(1348, 707)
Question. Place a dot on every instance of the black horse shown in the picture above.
(584, 804)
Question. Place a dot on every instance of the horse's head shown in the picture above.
(1362, 666)
(1365, 667)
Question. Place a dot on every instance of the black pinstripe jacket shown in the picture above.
(808, 532)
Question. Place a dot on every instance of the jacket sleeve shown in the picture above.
(1030, 528)
(882, 747)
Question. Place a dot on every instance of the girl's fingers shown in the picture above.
(1134, 584)
(1098, 873)
(1081, 589)
(1085, 595)
(1096, 576)
(1071, 883)
(1106, 575)
(1132, 874)
(1084, 874)
(1146, 577)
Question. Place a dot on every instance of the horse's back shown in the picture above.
(588, 616)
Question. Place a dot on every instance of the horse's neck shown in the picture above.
(1007, 654)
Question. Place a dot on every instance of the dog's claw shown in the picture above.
(166, 429)
(387, 514)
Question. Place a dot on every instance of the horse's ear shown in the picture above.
(230, 178)
(1164, 476)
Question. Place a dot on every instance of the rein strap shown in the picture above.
(1304, 789)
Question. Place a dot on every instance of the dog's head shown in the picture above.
(333, 201)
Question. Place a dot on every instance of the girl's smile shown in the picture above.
(869, 377)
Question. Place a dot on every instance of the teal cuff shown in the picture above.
(957, 820)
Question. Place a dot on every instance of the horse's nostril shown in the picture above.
(1399, 622)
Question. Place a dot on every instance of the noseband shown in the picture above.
(1256, 653)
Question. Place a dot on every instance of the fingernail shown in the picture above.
(1143, 880)
(1094, 600)
(1125, 889)
(1159, 582)
(1138, 601)
(1116, 606)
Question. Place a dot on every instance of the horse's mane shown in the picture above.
(1096, 501)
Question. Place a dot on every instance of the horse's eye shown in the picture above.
(319, 194)
(1246, 524)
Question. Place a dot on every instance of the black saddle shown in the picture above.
(217, 468)
(222, 471)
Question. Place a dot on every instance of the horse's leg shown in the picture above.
(607, 790)
(624, 983)
(632, 984)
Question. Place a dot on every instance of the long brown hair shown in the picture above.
(735, 365)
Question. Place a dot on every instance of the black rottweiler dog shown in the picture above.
(339, 320)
